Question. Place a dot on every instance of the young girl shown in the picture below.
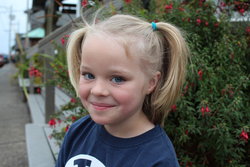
(128, 73)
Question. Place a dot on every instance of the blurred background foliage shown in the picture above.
(209, 125)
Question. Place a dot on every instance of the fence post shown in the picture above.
(49, 88)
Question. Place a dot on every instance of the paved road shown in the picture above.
(13, 117)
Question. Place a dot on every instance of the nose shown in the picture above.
(99, 88)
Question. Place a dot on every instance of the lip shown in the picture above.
(101, 106)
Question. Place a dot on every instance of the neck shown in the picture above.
(131, 128)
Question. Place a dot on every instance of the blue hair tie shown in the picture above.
(154, 26)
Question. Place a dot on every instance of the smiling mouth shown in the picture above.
(101, 106)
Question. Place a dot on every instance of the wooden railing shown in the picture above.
(42, 151)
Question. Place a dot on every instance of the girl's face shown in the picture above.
(112, 85)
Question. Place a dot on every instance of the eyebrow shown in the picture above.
(82, 67)
(111, 70)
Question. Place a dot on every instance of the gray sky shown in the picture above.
(18, 23)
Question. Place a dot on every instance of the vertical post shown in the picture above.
(27, 43)
(49, 89)
(11, 17)
(50, 17)
(78, 8)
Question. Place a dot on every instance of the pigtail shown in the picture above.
(74, 56)
(174, 60)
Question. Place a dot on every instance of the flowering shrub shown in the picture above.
(61, 121)
(210, 124)
(71, 111)
(31, 68)
(37, 76)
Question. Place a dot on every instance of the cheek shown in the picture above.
(83, 92)
(129, 99)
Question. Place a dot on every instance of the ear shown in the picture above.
(153, 82)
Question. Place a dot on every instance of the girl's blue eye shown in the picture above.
(118, 80)
(88, 76)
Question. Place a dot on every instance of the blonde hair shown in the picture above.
(163, 50)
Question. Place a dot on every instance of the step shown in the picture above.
(61, 98)
(36, 107)
(39, 151)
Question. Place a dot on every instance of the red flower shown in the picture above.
(198, 21)
(31, 71)
(37, 73)
(84, 3)
(248, 29)
(66, 128)
(64, 38)
(206, 23)
(216, 24)
(202, 111)
(73, 118)
(244, 135)
(34, 72)
(200, 73)
(169, 7)
(207, 109)
(223, 4)
(128, 1)
(52, 122)
(242, 11)
(38, 90)
(62, 41)
(174, 107)
(72, 100)
(156, 20)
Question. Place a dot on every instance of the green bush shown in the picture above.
(209, 125)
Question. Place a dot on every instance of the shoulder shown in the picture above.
(161, 150)
(84, 121)
(77, 132)
(83, 125)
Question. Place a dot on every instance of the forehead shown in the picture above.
(99, 46)
(131, 44)
(95, 42)
(108, 44)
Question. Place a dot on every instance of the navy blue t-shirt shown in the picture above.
(88, 144)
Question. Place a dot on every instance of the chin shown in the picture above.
(100, 119)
